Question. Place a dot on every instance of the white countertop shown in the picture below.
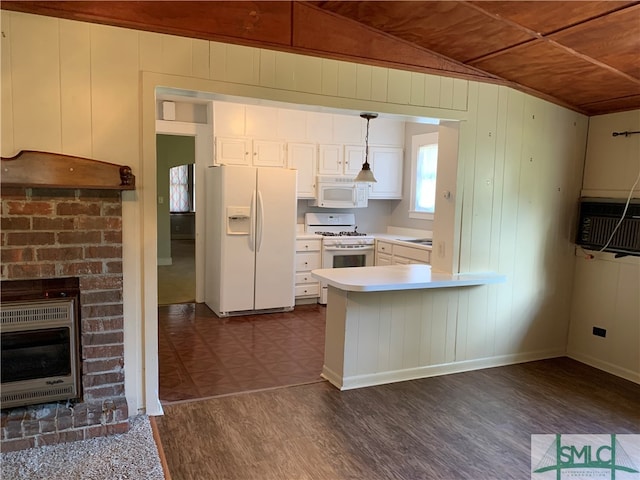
(399, 277)
(389, 237)
(401, 240)
(307, 236)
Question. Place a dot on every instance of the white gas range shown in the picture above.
(342, 245)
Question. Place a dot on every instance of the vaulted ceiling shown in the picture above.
(581, 54)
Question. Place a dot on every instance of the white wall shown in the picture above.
(400, 208)
(612, 163)
(89, 90)
(373, 219)
(607, 289)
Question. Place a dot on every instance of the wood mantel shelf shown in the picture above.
(51, 170)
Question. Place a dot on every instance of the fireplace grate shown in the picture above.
(24, 314)
(38, 396)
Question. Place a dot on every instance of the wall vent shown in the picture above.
(598, 219)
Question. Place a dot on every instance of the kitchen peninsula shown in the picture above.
(392, 323)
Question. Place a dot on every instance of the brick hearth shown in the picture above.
(54, 233)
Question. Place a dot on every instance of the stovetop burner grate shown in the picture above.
(342, 234)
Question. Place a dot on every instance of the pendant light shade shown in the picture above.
(366, 175)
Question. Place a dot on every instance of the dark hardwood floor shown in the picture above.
(473, 425)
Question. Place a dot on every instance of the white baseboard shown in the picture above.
(369, 380)
(606, 366)
(164, 261)
(332, 377)
(306, 301)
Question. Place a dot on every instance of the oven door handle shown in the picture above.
(348, 249)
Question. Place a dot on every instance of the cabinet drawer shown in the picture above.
(308, 245)
(401, 261)
(307, 261)
(416, 254)
(383, 259)
(307, 290)
(384, 247)
(305, 277)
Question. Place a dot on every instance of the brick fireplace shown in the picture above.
(57, 233)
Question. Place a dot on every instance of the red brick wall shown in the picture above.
(49, 233)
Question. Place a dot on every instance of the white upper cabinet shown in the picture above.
(330, 159)
(314, 143)
(244, 151)
(228, 119)
(302, 157)
(232, 151)
(292, 125)
(338, 160)
(386, 164)
(319, 127)
(353, 159)
(268, 153)
(261, 122)
(348, 129)
(384, 131)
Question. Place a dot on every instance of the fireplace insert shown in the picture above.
(40, 345)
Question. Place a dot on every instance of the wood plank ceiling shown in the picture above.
(581, 54)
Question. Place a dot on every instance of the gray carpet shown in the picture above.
(132, 455)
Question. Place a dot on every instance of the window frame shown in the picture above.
(416, 142)
(189, 186)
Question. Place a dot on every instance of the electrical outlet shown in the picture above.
(160, 200)
(600, 332)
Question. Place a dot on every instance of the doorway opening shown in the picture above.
(176, 219)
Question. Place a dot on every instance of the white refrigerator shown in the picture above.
(250, 239)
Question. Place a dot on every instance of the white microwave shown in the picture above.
(340, 192)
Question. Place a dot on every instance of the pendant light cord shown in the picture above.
(366, 144)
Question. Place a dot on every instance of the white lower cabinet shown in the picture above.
(383, 259)
(389, 253)
(308, 257)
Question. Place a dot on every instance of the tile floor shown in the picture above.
(202, 355)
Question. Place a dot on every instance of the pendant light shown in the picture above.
(366, 175)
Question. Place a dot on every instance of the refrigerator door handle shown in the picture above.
(260, 221)
(252, 222)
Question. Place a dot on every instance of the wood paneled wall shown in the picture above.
(75, 88)
(607, 289)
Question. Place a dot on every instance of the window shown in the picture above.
(181, 189)
(424, 150)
